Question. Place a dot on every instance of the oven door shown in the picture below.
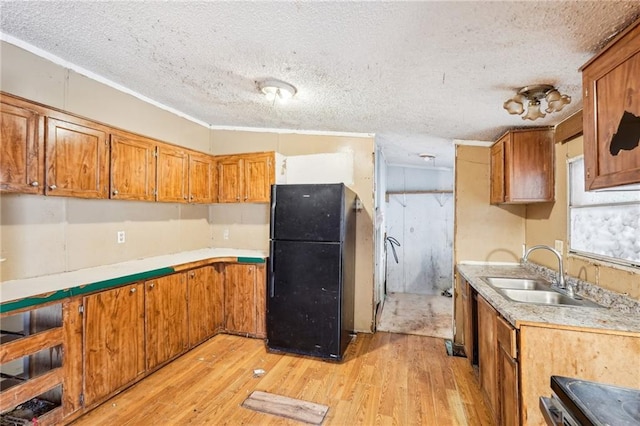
(555, 413)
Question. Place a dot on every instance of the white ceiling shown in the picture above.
(417, 74)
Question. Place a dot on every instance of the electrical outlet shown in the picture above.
(225, 234)
(120, 237)
(559, 246)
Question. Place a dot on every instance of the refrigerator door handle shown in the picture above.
(271, 272)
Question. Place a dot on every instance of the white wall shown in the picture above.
(423, 224)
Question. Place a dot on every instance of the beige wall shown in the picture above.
(548, 222)
(44, 235)
(483, 232)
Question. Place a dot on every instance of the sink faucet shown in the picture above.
(561, 281)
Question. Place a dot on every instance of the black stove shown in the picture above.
(592, 403)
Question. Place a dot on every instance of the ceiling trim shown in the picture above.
(83, 71)
(294, 131)
(472, 142)
(76, 68)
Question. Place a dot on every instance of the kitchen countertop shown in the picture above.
(16, 294)
(518, 313)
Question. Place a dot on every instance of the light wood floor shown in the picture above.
(386, 378)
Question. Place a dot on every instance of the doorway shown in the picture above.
(417, 296)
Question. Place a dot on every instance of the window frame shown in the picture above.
(586, 255)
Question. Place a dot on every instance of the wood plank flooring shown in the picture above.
(385, 379)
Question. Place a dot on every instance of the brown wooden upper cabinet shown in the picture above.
(202, 178)
(77, 157)
(173, 174)
(246, 178)
(21, 147)
(133, 168)
(611, 117)
(522, 169)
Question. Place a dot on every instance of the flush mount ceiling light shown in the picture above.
(276, 89)
(534, 94)
(427, 157)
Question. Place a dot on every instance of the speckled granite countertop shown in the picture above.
(621, 314)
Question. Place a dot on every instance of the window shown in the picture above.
(603, 224)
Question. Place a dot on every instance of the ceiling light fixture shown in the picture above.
(276, 89)
(534, 94)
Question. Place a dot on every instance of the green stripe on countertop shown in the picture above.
(84, 289)
(33, 300)
(115, 282)
(251, 260)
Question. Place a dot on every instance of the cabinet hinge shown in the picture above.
(81, 309)
(81, 399)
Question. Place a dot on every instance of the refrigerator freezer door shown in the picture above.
(303, 305)
(307, 212)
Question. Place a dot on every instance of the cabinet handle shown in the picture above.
(193, 275)
(35, 183)
(133, 290)
(52, 187)
(115, 192)
(152, 285)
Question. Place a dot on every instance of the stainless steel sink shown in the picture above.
(549, 297)
(534, 290)
(518, 283)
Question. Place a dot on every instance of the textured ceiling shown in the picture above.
(417, 74)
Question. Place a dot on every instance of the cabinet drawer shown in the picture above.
(506, 337)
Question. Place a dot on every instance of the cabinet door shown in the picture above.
(240, 298)
(173, 174)
(258, 177)
(529, 166)
(487, 353)
(468, 314)
(77, 159)
(201, 178)
(611, 99)
(497, 171)
(167, 330)
(21, 148)
(133, 168)
(230, 180)
(206, 298)
(508, 392)
(113, 340)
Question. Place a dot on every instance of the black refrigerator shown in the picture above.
(311, 282)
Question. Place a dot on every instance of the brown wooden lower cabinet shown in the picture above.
(241, 298)
(108, 340)
(205, 288)
(508, 391)
(487, 355)
(113, 340)
(166, 321)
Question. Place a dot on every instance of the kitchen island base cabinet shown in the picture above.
(166, 319)
(113, 340)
